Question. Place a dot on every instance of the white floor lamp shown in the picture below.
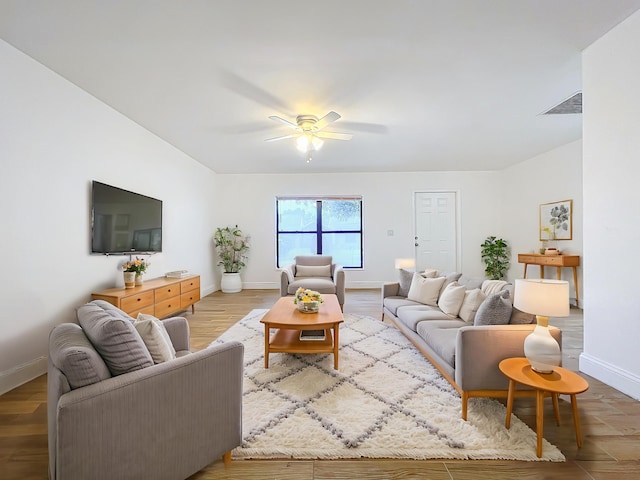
(544, 299)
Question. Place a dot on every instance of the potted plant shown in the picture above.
(495, 255)
(232, 246)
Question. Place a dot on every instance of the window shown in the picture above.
(320, 225)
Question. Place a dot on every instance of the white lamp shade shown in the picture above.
(547, 298)
(405, 263)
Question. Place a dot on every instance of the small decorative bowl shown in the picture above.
(309, 307)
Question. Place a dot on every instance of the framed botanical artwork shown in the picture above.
(556, 220)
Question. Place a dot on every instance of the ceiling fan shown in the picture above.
(308, 131)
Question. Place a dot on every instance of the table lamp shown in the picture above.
(405, 263)
(544, 299)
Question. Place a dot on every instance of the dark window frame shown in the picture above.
(318, 232)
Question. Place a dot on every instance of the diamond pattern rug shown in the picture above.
(386, 401)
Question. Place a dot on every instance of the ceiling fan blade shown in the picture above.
(275, 139)
(282, 120)
(326, 120)
(334, 135)
(237, 84)
(364, 127)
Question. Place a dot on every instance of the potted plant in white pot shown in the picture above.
(232, 246)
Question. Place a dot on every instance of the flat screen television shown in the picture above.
(124, 222)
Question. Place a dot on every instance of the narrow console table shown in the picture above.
(557, 261)
(159, 297)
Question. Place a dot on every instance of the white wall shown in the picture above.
(387, 205)
(55, 139)
(553, 176)
(611, 141)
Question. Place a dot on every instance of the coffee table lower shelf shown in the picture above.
(286, 340)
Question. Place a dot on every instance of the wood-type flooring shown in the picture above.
(610, 420)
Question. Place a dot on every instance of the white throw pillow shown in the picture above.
(313, 270)
(472, 301)
(425, 290)
(451, 298)
(489, 287)
(155, 337)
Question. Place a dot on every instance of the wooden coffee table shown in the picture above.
(288, 322)
(559, 382)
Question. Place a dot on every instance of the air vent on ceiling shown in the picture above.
(572, 104)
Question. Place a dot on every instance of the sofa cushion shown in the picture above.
(405, 282)
(319, 284)
(115, 338)
(412, 315)
(441, 337)
(494, 310)
(313, 270)
(451, 298)
(393, 303)
(73, 354)
(425, 290)
(155, 337)
(470, 282)
(470, 304)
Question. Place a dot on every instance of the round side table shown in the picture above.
(559, 382)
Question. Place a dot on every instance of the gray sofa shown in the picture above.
(315, 272)
(466, 353)
(158, 420)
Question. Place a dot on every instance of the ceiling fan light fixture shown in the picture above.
(316, 143)
(302, 143)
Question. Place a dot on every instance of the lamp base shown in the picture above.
(541, 349)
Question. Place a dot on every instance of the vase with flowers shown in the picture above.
(136, 267)
(308, 301)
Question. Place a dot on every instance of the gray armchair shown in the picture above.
(316, 272)
(162, 421)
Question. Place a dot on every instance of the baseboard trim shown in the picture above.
(276, 285)
(622, 380)
(16, 376)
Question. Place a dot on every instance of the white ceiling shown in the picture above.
(422, 85)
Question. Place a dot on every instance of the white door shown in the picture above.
(435, 238)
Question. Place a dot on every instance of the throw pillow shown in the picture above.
(489, 287)
(425, 290)
(451, 299)
(72, 353)
(470, 282)
(406, 276)
(313, 270)
(448, 278)
(472, 301)
(518, 317)
(115, 339)
(155, 337)
(495, 310)
(430, 273)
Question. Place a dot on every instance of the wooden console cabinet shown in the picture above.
(557, 261)
(160, 297)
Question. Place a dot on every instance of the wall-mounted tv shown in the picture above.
(124, 222)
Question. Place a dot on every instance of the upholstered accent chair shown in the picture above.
(114, 412)
(316, 272)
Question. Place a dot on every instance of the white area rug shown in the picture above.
(386, 401)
